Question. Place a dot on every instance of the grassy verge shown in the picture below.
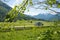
(41, 33)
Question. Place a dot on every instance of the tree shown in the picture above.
(14, 12)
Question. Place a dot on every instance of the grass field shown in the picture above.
(25, 23)
(46, 32)
(32, 34)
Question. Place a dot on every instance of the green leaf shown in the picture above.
(58, 5)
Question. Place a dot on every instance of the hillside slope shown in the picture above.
(4, 9)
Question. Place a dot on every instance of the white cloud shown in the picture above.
(17, 0)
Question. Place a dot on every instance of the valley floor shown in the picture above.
(26, 30)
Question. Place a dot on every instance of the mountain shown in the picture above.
(25, 17)
(48, 16)
(20, 16)
(4, 9)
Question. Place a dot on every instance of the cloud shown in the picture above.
(17, 0)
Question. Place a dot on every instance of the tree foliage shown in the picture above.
(14, 12)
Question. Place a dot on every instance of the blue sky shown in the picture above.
(33, 11)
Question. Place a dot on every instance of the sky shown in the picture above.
(12, 3)
(32, 11)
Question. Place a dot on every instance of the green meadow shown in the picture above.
(25, 30)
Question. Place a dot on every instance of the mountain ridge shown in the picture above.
(48, 17)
